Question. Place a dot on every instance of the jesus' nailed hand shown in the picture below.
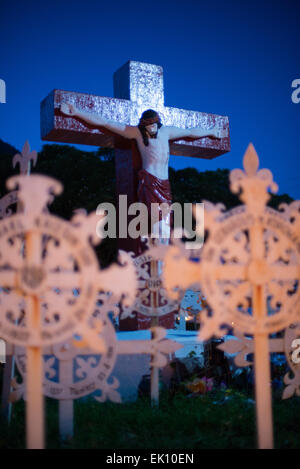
(151, 136)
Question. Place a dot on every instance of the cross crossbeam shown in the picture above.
(137, 86)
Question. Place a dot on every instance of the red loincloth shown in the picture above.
(151, 189)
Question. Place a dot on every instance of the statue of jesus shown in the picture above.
(153, 143)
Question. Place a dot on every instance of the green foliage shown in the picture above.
(6, 171)
(215, 420)
(189, 185)
(88, 178)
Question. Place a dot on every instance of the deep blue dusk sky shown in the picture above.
(235, 58)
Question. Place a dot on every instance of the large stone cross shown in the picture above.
(137, 87)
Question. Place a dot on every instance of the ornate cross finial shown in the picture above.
(253, 183)
(24, 158)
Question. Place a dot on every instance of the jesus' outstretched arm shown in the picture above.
(127, 131)
(175, 133)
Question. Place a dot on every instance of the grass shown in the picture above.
(179, 423)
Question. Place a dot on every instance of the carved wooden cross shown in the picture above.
(66, 363)
(137, 87)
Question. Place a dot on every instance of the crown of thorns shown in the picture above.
(149, 121)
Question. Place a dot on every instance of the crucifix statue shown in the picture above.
(152, 140)
(129, 124)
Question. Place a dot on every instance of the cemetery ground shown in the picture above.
(221, 418)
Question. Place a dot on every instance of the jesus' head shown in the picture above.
(149, 125)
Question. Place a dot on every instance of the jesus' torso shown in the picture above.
(155, 156)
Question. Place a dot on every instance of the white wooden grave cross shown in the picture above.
(38, 307)
(152, 299)
(24, 160)
(69, 374)
(252, 253)
(64, 365)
